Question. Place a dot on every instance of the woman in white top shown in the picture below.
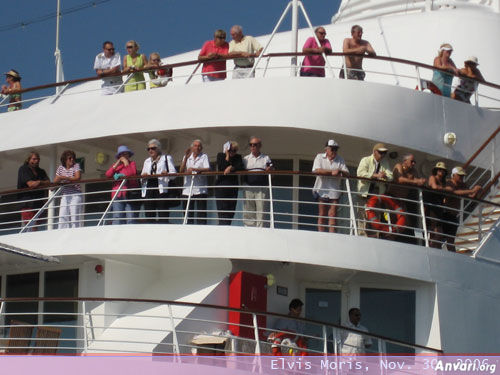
(70, 208)
(154, 190)
(194, 162)
(326, 189)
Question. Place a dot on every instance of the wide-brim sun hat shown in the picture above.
(440, 165)
(122, 149)
(380, 147)
(13, 73)
(458, 170)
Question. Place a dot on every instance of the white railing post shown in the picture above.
(256, 333)
(174, 332)
(84, 325)
(354, 224)
(117, 192)
(325, 340)
(480, 223)
(184, 222)
(193, 73)
(422, 216)
(461, 221)
(267, 65)
(119, 89)
(271, 208)
(382, 350)
(50, 212)
(344, 66)
(40, 210)
(419, 82)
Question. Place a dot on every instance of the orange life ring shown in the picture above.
(277, 338)
(383, 201)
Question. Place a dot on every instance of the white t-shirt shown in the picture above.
(199, 182)
(353, 342)
(324, 186)
(103, 62)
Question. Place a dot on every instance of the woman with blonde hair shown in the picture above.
(131, 62)
(158, 77)
(443, 61)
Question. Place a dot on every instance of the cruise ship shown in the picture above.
(181, 288)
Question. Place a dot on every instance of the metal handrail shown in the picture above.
(281, 54)
(254, 325)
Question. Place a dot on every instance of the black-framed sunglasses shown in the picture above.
(152, 148)
(254, 144)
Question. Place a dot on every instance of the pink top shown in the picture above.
(315, 60)
(129, 170)
(208, 48)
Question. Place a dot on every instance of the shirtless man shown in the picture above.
(358, 46)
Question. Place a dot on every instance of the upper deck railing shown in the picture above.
(94, 325)
(407, 214)
(382, 69)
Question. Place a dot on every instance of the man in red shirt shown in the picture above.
(214, 49)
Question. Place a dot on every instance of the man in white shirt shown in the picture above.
(108, 62)
(355, 343)
(255, 205)
(195, 162)
(326, 188)
(244, 47)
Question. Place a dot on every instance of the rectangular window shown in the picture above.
(22, 286)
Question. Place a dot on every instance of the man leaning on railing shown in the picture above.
(375, 168)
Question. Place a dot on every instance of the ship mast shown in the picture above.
(294, 5)
(57, 52)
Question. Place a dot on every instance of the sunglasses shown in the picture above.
(110, 49)
(156, 60)
(321, 32)
(254, 144)
(152, 148)
(129, 47)
(220, 37)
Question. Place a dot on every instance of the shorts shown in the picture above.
(353, 74)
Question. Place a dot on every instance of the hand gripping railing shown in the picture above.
(243, 331)
(410, 217)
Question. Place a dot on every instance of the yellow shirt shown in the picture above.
(248, 44)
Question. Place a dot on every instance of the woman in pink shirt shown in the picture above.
(123, 206)
(312, 62)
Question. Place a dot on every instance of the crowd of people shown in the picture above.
(157, 192)
(243, 49)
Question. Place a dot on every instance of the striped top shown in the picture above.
(63, 172)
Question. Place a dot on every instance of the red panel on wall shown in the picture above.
(247, 291)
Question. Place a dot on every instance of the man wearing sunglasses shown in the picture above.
(106, 63)
(254, 205)
(376, 168)
(211, 50)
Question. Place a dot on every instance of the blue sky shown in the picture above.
(166, 26)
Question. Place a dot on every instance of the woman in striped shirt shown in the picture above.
(70, 208)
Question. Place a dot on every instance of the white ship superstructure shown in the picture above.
(165, 278)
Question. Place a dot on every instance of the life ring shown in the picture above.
(383, 201)
(288, 341)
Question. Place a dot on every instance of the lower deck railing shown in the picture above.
(104, 325)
